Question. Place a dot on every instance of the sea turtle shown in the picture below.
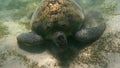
(57, 20)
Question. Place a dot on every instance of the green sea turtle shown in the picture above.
(57, 20)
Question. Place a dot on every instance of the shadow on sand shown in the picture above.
(64, 57)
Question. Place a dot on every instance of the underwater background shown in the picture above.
(15, 16)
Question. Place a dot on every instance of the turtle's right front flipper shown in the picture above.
(29, 39)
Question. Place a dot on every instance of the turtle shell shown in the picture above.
(57, 15)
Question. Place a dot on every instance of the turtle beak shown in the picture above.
(60, 39)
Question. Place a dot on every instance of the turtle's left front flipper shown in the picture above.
(88, 35)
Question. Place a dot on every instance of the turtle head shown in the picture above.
(60, 39)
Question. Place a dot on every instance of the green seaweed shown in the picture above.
(8, 53)
(24, 22)
(25, 10)
(3, 30)
(64, 10)
(109, 8)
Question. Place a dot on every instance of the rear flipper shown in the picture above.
(88, 35)
(29, 39)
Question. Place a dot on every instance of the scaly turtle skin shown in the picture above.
(57, 20)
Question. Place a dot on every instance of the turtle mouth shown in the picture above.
(60, 39)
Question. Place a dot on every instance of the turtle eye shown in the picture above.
(62, 23)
